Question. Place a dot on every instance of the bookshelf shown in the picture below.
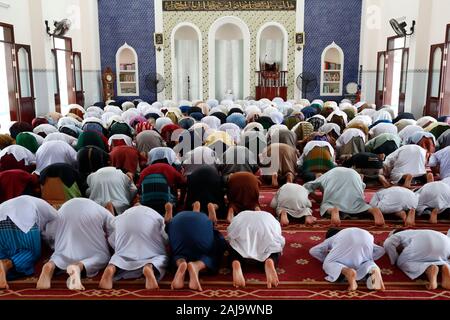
(127, 71)
(331, 79)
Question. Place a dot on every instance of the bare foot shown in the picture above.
(230, 215)
(110, 207)
(150, 279)
(238, 276)
(445, 273)
(310, 220)
(196, 206)
(377, 217)
(290, 178)
(411, 219)
(335, 219)
(432, 273)
(384, 181)
(284, 221)
(169, 212)
(74, 280)
(194, 281)
(212, 212)
(5, 265)
(106, 283)
(434, 216)
(275, 180)
(401, 215)
(377, 280)
(430, 178)
(178, 280)
(271, 274)
(408, 180)
(350, 275)
(45, 278)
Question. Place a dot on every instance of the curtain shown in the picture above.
(186, 65)
(229, 68)
(271, 51)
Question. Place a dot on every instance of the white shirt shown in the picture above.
(409, 159)
(442, 159)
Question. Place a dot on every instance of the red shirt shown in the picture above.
(126, 157)
(173, 177)
(14, 182)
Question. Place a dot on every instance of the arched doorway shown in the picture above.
(229, 69)
(186, 44)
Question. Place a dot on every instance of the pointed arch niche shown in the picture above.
(229, 58)
(187, 65)
(127, 69)
(332, 71)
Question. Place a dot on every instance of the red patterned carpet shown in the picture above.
(301, 276)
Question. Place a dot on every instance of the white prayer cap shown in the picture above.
(182, 103)
(92, 114)
(277, 117)
(216, 109)
(381, 115)
(76, 106)
(254, 126)
(346, 101)
(265, 101)
(68, 121)
(212, 103)
(109, 101)
(200, 125)
(128, 115)
(161, 122)
(268, 110)
(123, 137)
(227, 102)
(304, 102)
(95, 109)
(153, 110)
(252, 108)
(340, 114)
(425, 121)
(275, 128)
(235, 106)
(127, 105)
(91, 119)
(345, 105)
(278, 101)
(361, 118)
(330, 104)
(113, 109)
(318, 101)
(113, 118)
(212, 121)
(328, 127)
(368, 112)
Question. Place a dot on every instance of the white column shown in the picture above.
(159, 28)
(300, 27)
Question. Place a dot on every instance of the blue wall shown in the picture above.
(131, 21)
(327, 21)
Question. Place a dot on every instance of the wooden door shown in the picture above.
(381, 71)
(445, 88)
(434, 80)
(25, 83)
(78, 78)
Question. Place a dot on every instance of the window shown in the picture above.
(331, 80)
(127, 71)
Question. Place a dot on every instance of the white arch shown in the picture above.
(341, 55)
(285, 42)
(119, 51)
(200, 60)
(212, 52)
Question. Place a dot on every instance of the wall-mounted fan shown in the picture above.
(61, 28)
(306, 82)
(155, 82)
(399, 25)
